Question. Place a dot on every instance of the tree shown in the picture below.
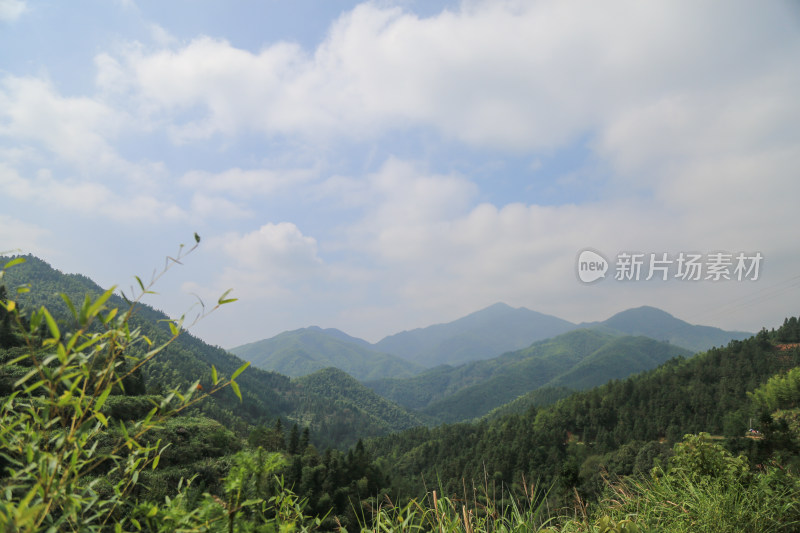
(294, 440)
(8, 338)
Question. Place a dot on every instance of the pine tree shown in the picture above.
(294, 440)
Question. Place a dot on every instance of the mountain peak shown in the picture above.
(658, 324)
(645, 310)
(306, 350)
(483, 334)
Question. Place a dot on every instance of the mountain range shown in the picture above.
(578, 359)
(337, 404)
(481, 335)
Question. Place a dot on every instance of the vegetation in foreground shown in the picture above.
(72, 460)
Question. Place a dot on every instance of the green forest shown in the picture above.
(115, 418)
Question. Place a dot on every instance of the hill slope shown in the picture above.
(266, 395)
(555, 364)
(480, 335)
(619, 426)
(577, 359)
(660, 325)
(304, 351)
(341, 389)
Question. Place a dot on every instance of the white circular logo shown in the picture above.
(591, 266)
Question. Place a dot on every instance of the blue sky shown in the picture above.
(387, 165)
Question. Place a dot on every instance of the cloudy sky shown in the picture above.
(387, 165)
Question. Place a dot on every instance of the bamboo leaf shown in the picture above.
(236, 390)
(240, 370)
(110, 316)
(51, 324)
(222, 300)
(25, 378)
(102, 399)
(141, 283)
(214, 377)
(15, 261)
(84, 312)
(95, 307)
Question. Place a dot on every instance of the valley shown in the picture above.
(621, 396)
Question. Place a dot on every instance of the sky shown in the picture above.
(382, 166)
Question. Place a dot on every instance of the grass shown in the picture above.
(768, 501)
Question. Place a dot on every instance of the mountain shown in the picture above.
(304, 351)
(620, 428)
(577, 360)
(341, 335)
(617, 359)
(266, 395)
(480, 335)
(660, 325)
(346, 392)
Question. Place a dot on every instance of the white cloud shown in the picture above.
(690, 110)
(77, 132)
(75, 129)
(205, 206)
(161, 36)
(243, 183)
(438, 254)
(275, 248)
(17, 236)
(511, 75)
(403, 205)
(11, 10)
(88, 199)
(273, 267)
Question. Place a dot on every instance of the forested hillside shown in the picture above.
(577, 360)
(623, 425)
(345, 393)
(143, 454)
(80, 438)
(266, 395)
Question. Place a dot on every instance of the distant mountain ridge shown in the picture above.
(480, 335)
(578, 359)
(307, 350)
(660, 325)
(338, 414)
